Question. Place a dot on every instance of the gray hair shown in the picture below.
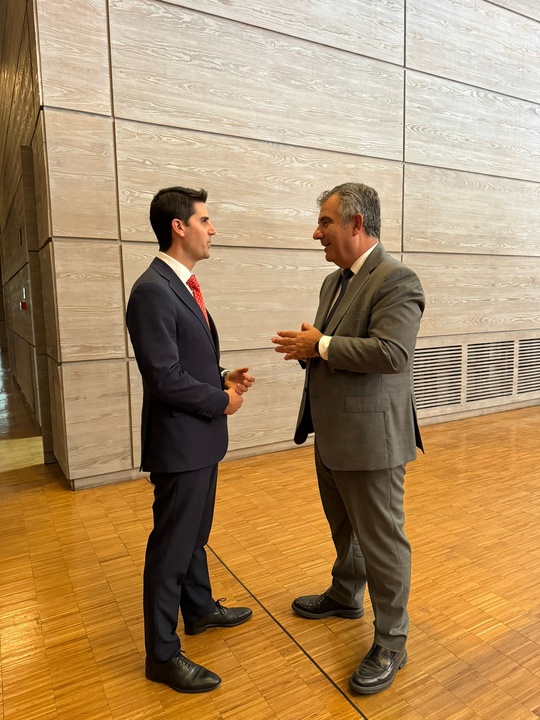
(357, 198)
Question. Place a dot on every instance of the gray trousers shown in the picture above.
(366, 518)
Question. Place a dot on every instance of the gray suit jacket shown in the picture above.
(360, 402)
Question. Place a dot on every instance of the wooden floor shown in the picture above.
(71, 634)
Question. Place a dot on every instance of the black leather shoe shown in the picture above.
(182, 675)
(315, 607)
(221, 617)
(377, 670)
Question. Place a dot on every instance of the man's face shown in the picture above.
(340, 242)
(196, 235)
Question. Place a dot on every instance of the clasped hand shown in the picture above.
(297, 344)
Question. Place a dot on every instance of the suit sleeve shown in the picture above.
(392, 329)
(152, 321)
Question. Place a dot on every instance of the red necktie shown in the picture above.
(193, 284)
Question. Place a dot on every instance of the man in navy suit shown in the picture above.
(186, 399)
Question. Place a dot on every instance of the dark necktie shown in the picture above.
(193, 284)
(346, 275)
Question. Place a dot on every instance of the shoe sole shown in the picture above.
(348, 614)
(379, 688)
(198, 631)
(157, 679)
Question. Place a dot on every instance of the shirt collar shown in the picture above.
(181, 270)
(357, 264)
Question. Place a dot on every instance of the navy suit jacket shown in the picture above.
(183, 423)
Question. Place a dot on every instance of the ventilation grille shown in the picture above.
(529, 366)
(490, 370)
(437, 376)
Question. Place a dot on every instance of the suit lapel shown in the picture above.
(181, 291)
(329, 291)
(355, 287)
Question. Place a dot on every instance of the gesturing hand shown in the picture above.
(297, 344)
(239, 380)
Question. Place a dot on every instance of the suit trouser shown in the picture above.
(176, 569)
(366, 518)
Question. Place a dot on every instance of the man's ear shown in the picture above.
(178, 227)
(358, 223)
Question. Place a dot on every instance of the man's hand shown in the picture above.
(235, 401)
(297, 344)
(239, 380)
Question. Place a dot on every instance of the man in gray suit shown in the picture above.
(358, 399)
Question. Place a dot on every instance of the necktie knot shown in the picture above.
(193, 285)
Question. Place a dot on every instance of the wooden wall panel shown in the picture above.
(250, 292)
(136, 392)
(24, 368)
(97, 417)
(22, 118)
(270, 409)
(58, 419)
(473, 42)
(360, 26)
(529, 8)
(14, 19)
(41, 183)
(74, 54)
(473, 294)
(464, 128)
(14, 248)
(451, 212)
(89, 299)
(259, 194)
(81, 170)
(227, 78)
(50, 312)
(20, 319)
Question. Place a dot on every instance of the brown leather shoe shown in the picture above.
(316, 607)
(182, 675)
(377, 670)
(221, 617)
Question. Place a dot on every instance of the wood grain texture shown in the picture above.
(82, 182)
(89, 300)
(97, 417)
(457, 212)
(135, 405)
(50, 312)
(25, 368)
(260, 194)
(20, 320)
(14, 19)
(230, 79)
(360, 26)
(473, 42)
(250, 292)
(463, 128)
(41, 183)
(58, 419)
(13, 240)
(74, 54)
(530, 8)
(23, 114)
(270, 409)
(467, 294)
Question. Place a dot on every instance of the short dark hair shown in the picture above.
(357, 198)
(169, 204)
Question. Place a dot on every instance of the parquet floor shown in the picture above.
(71, 636)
